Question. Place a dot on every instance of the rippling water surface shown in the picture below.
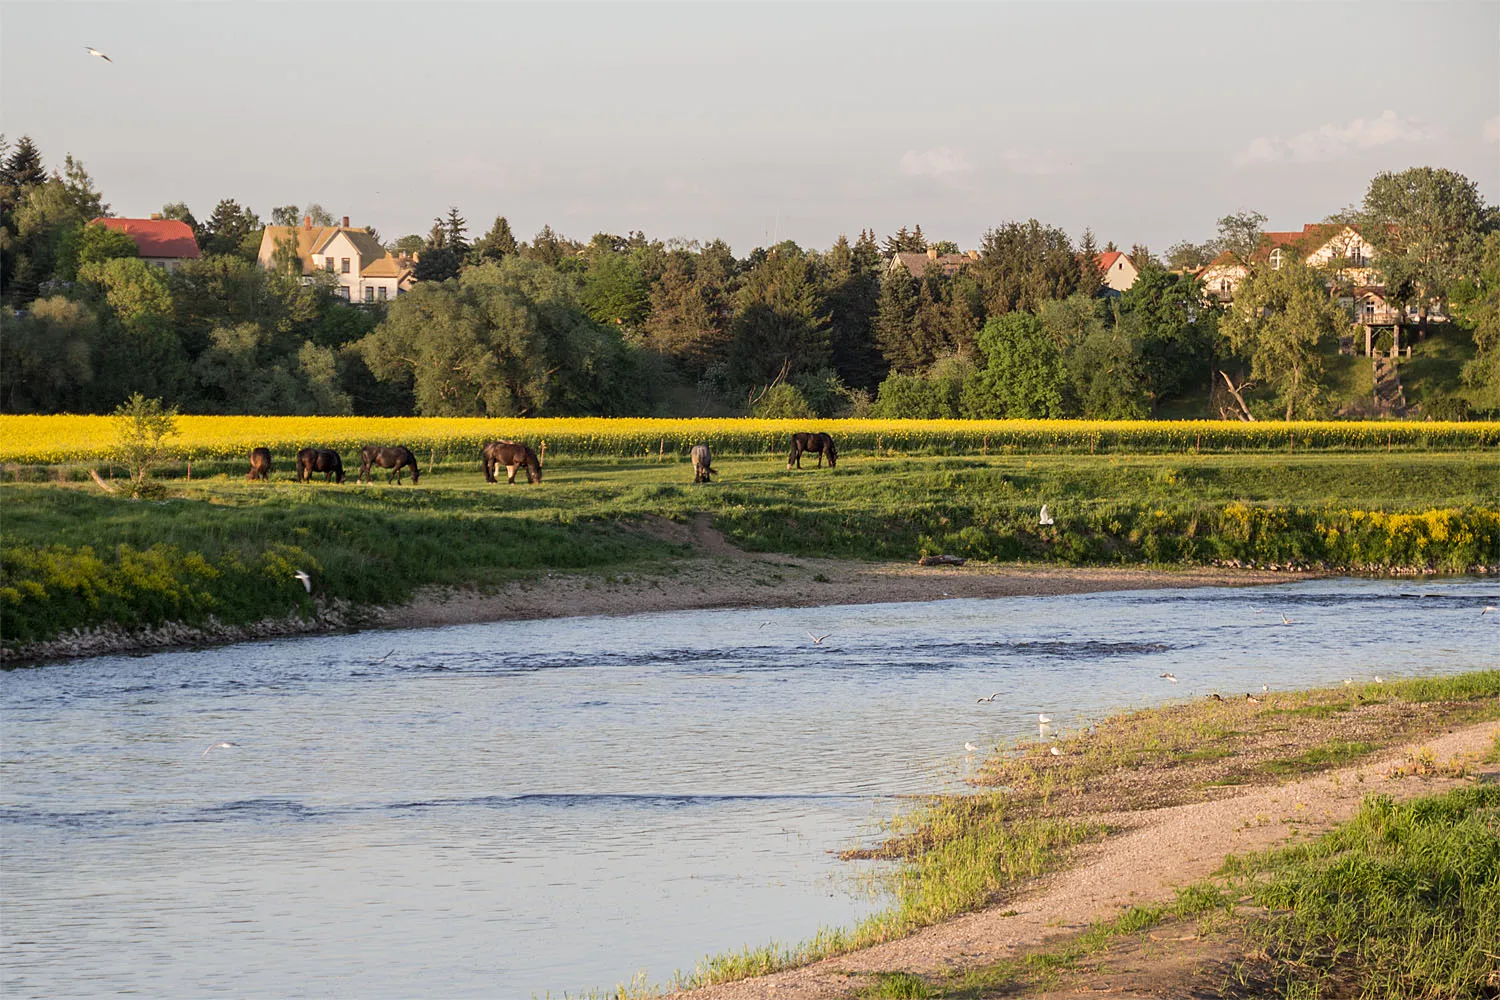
(511, 809)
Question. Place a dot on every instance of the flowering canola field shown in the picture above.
(64, 439)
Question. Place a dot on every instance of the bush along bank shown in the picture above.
(1448, 540)
(49, 590)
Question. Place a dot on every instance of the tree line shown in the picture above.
(631, 325)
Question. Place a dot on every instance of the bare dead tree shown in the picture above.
(1228, 413)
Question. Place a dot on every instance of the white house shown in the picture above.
(1331, 246)
(1118, 270)
(365, 271)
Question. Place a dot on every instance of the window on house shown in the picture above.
(1224, 284)
(380, 293)
(345, 265)
(342, 292)
(1357, 258)
(1276, 259)
(369, 294)
(328, 264)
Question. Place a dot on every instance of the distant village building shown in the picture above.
(1317, 244)
(1118, 270)
(916, 264)
(163, 242)
(365, 270)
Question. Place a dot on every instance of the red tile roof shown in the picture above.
(1107, 260)
(157, 238)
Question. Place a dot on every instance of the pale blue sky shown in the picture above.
(1146, 121)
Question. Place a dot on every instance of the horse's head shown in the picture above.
(533, 467)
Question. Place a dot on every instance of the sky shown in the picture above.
(758, 122)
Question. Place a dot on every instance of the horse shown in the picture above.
(260, 464)
(398, 458)
(512, 455)
(819, 444)
(702, 464)
(310, 460)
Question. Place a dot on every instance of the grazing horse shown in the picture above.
(512, 455)
(819, 444)
(310, 460)
(260, 464)
(398, 458)
(702, 464)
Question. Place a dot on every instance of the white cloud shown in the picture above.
(1329, 142)
(1491, 130)
(939, 162)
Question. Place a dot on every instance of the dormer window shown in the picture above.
(1276, 259)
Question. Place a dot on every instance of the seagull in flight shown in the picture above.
(301, 574)
(971, 748)
(992, 697)
(1487, 609)
(95, 52)
(818, 639)
(1285, 620)
(1045, 518)
(218, 746)
(1170, 677)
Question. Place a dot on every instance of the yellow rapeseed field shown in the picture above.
(69, 439)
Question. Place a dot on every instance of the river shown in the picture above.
(525, 808)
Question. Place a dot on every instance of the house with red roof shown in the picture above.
(164, 242)
(1118, 270)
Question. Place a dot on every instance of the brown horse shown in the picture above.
(310, 460)
(819, 444)
(260, 464)
(512, 455)
(703, 464)
(399, 458)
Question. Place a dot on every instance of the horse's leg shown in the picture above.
(510, 474)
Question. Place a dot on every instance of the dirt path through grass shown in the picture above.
(1159, 850)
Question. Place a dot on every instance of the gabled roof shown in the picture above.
(156, 238)
(1108, 259)
(374, 260)
(917, 263)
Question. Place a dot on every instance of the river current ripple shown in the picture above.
(530, 807)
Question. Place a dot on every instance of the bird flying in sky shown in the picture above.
(95, 52)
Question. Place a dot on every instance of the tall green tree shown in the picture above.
(47, 357)
(778, 319)
(1241, 234)
(1174, 329)
(509, 339)
(231, 230)
(1277, 320)
(1476, 304)
(1023, 264)
(496, 245)
(906, 242)
(1090, 280)
(1427, 226)
(1024, 375)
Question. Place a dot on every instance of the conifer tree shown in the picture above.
(495, 245)
(1089, 278)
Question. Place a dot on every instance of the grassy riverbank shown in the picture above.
(1426, 872)
(217, 547)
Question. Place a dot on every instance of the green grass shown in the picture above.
(1330, 754)
(219, 546)
(1401, 901)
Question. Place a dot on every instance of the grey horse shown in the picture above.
(702, 464)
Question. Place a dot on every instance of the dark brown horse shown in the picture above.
(398, 458)
(260, 464)
(512, 455)
(310, 460)
(819, 444)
